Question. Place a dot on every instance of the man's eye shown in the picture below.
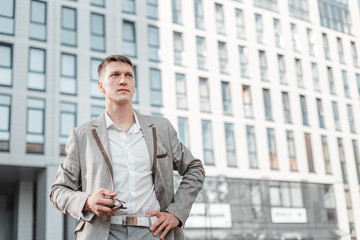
(114, 75)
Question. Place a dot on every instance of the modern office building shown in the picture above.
(265, 92)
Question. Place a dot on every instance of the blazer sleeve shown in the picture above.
(66, 194)
(193, 175)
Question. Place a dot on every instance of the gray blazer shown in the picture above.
(86, 170)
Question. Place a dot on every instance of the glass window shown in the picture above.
(342, 159)
(135, 98)
(247, 101)
(207, 142)
(354, 54)
(259, 28)
(267, 104)
(181, 98)
(299, 9)
(183, 126)
(286, 107)
(336, 115)
(178, 48)
(346, 83)
(351, 118)
(335, 15)
(155, 87)
(129, 39)
(154, 43)
(304, 112)
(326, 46)
(315, 75)
(340, 51)
(279, 40)
(325, 150)
(299, 73)
(68, 27)
(176, 11)
(220, 19)
(96, 111)
(295, 38)
(223, 57)
(272, 149)
(282, 69)
(244, 61)
(94, 77)
(321, 114)
(5, 113)
(204, 95)
(357, 158)
(226, 98)
(67, 122)
(331, 80)
(199, 14)
(313, 48)
(230, 145)
(152, 9)
(37, 69)
(240, 24)
(309, 152)
(251, 141)
(6, 70)
(291, 150)
(68, 83)
(201, 52)
(98, 3)
(35, 126)
(128, 6)
(7, 15)
(263, 66)
(267, 4)
(97, 32)
(358, 83)
(37, 29)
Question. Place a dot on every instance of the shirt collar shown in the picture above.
(134, 129)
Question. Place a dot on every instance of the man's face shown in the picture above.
(117, 83)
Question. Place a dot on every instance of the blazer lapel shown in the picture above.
(146, 127)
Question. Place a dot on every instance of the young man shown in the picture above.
(123, 155)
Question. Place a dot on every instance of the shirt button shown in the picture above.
(104, 218)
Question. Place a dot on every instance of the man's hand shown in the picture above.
(98, 204)
(166, 221)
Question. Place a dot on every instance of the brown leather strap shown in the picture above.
(107, 160)
(155, 154)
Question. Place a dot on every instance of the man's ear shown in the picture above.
(100, 86)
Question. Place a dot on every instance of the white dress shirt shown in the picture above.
(132, 169)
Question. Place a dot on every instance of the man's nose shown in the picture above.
(122, 80)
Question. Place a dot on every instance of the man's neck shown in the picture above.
(121, 115)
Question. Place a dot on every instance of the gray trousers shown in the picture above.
(119, 232)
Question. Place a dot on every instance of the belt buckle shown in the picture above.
(131, 221)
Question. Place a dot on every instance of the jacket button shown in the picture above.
(104, 218)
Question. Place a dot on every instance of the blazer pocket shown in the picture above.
(162, 155)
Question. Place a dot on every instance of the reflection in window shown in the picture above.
(351, 118)
(97, 32)
(285, 194)
(357, 158)
(183, 126)
(128, 6)
(315, 75)
(7, 13)
(272, 149)
(325, 150)
(299, 73)
(230, 145)
(176, 11)
(309, 152)
(326, 46)
(335, 15)
(201, 52)
(204, 95)
(96, 111)
(282, 69)
(358, 83)
(6, 71)
(178, 48)
(181, 99)
(154, 43)
(291, 150)
(336, 115)
(346, 84)
(67, 123)
(342, 159)
(286, 107)
(266, 4)
(155, 87)
(354, 54)
(304, 112)
(279, 41)
(68, 83)
(207, 142)
(299, 9)
(220, 19)
(35, 126)
(263, 66)
(129, 39)
(295, 38)
(199, 14)
(267, 104)
(247, 101)
(259, 28)
(331, 80)
(251, 143)
(340, 50)
(226, 98)
(152, 9)
(98, 3)
(321, 114)
(38, 20)
(313, 48)
(135, 98)
(244, 62)
(329, 202)
(223, 57)
(5, 113)
(68, 26)
(240, 25)
(37, 69)
(95, 92)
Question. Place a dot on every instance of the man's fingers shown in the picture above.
(107, 192)
(159, 229)
(155, 225)
(152, 213)
(167, 229)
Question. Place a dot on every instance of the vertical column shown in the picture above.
(25, 210)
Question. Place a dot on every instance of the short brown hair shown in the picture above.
(114, 58)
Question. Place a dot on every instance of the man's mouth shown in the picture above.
(123, 90)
